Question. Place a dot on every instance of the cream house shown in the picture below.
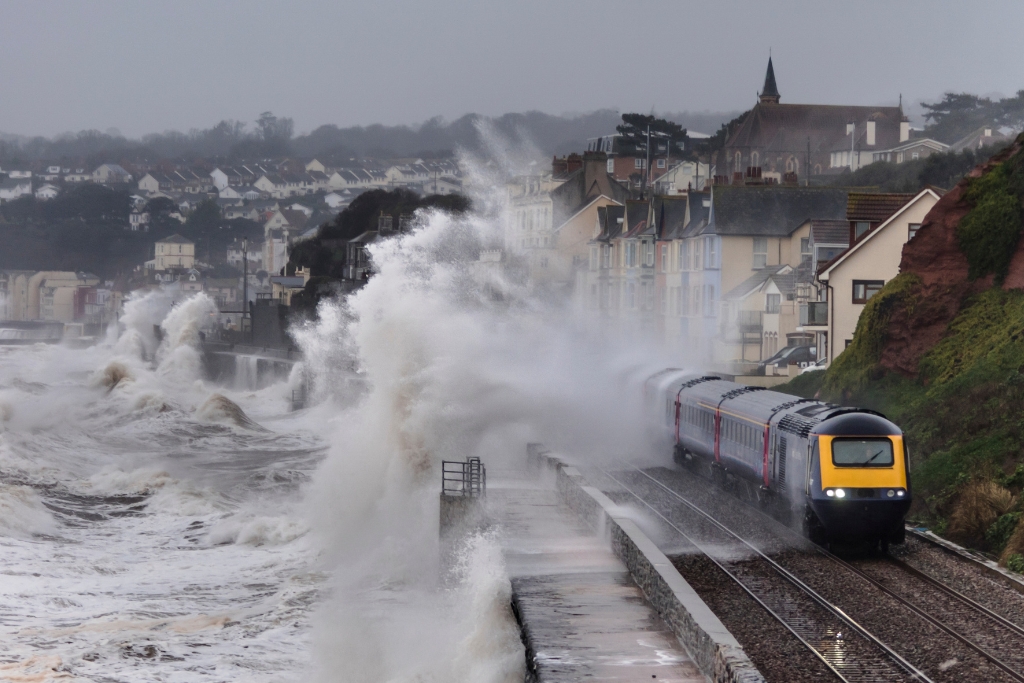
(174, 252)
(857, 274)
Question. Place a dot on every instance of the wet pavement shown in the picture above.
(583, 616)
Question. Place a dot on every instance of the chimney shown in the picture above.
(904, 130)
(558, 166)
(871, 132)
(384, 224)
(573, 162)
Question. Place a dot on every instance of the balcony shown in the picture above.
(814, 314)
(749, 321)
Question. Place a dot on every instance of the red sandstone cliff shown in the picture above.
(934, 255)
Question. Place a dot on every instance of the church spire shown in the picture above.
(770, 92)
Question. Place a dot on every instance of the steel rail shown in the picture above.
(949, 591)
(935, 621)
(901, 663)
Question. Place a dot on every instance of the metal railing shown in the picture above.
(467, 478)
(299, 398)
(814, 313)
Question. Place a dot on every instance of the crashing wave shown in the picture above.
(220, 408)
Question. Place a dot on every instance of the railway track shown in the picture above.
(994, 637)
(846, 648)
(988, 635)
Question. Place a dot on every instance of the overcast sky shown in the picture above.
(151, 66)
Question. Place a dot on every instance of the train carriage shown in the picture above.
(842, 472)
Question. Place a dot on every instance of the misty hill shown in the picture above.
(271, 136)
(940, 350)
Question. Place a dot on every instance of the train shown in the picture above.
(840, 474)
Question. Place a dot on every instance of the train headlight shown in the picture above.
(899, 493)
(840, 493)
(891, 493)
(830, 493)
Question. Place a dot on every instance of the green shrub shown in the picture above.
(989, 234)
(1015, 563)
(999, 533)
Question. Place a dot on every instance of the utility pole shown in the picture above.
(245, 283)
(647, 171)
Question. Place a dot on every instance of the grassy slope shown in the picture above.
(963, 412)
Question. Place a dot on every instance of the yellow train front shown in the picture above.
(838, 473)
(861, 491)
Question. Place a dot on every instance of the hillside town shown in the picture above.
(746, 254)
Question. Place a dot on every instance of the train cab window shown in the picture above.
(862, 453)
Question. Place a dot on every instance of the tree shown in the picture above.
(273, 128)
(206, 216)
(635, 127)
(160, 205)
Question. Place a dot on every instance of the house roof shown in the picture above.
(868, 237)
(288, 281)
(296, 219)
(175, 239)
(610, 219)
(670, 216)
(771, 210)
(875, 206)
(636, 218)
(366, 238)
(575, 193)
(830, 232)
(756, 281)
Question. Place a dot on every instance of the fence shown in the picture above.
(467, 478)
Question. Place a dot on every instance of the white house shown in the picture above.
(46, 192)
(111, 173)
(138, 220)
(12, 188)
(861, 271)
(335, 200)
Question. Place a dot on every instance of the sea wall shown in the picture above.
(715, 650)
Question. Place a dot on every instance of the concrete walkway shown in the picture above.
(583, 616)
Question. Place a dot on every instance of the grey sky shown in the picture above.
(151, 66)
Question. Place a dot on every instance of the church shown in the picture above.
(821, 139)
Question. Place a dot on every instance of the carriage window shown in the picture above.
(862, 453)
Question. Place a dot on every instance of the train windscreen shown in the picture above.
(862, 453)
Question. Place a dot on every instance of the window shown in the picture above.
(865, 289)
(638, 163)
(711, 261)
(649, 254)
(737, 161)
(631, 295)
(698, 254)
(610, 166)
(606, 256)
(860, 228)
(593, 258)
(664, 258)
(915, 155)
(661, 163)
(684, 255)
(913, 228)
(760, 252)
(862, 453)
(773, 303)
(805, 246)
(630, 254)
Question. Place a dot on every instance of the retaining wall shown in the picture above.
(714, 649)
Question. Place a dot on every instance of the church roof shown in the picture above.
(787, 127)
(770, 89)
